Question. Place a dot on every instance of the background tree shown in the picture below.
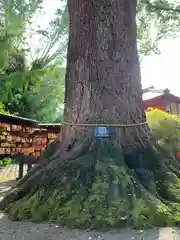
(22, 20)
(84, 181)
(46, 99)
(24, 68)
(156, 20)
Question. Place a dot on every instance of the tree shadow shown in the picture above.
(9, 183)
(5, 186)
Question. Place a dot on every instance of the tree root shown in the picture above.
(97, 188)
(43, 173)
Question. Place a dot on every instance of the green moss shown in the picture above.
(101, 191)
(169, 186)
(141, 214)
(164, 215)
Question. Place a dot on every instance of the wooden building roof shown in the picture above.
(7, 118)
(161, 100)
(50, 126)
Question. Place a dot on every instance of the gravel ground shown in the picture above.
(10, 230)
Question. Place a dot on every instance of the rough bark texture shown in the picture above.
(103, 75)
(88, 182)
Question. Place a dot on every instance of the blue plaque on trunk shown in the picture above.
(101, 131)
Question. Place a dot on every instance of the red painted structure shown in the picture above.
(166, 102)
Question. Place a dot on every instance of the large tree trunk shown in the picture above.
(103, 73)
(105, 182)
(103, 83)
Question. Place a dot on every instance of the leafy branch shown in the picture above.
(162, 6)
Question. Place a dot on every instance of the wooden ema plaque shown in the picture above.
(15, 139)
(20, 136)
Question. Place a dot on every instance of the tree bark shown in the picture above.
(103, 75)
(103, 86)
(103, 83)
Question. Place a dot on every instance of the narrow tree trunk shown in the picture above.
(105, 182)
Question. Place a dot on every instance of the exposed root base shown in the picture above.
(99, 190)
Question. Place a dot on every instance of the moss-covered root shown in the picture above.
(97, 190)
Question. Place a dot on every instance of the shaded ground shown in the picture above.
(10, 172)
(10, 230)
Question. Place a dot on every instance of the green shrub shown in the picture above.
(2, 107)
(165, 129)
(5, 162)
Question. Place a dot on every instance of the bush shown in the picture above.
(5, 162)
(165, 129)
(2, 108)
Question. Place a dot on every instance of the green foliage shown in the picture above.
(165, 129)
(5, 162)
(43, 100)
(29, 76)
(156, 20)
(15, 17)
(2, 108)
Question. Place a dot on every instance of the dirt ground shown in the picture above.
(10, 230)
